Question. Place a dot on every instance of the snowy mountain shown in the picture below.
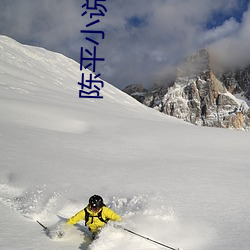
(201, 96)
(182, 185)
(237, 81)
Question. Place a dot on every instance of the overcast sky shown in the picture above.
(144, 39)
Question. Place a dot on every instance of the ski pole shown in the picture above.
(45, 228)
(146, 238)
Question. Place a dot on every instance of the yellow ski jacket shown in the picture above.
(94, 223)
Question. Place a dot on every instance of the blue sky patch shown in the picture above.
(219, 17)
(136, 21)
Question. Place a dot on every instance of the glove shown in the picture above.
(60, 234)
(62, 229)
(118, 226)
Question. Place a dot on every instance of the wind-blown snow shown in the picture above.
(181, 185)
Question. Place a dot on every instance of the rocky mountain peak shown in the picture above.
(196, 64)
(202, 97)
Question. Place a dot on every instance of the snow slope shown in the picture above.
(173, 182)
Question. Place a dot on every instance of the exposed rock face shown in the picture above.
(137, 91)
(199, 97)
(237, 81)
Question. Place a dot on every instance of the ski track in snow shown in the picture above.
(145, 214)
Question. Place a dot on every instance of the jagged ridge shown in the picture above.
(200, 96)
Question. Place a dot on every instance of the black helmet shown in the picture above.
(95, 202)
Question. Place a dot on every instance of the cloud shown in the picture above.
(228, 28)
(144, 39)
(48, 23)
(171, 31)
(233, 49)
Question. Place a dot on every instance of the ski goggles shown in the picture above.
(94, 208)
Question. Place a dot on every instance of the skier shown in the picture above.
(95, 214)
